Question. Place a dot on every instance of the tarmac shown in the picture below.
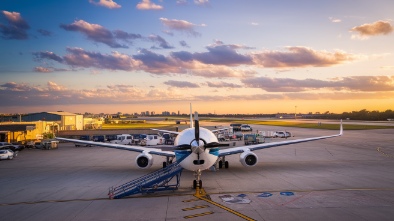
(343, 178)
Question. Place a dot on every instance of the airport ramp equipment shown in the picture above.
(156, 181)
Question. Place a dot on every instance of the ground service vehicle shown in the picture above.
(236, 127)
(151, 140)
(253, 139)
(123, 139)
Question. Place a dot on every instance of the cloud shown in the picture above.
(300, 57)
(354, 83)
(52, 93)
(376, 28)
(223, 85)
(216, 55)
(16, 28)
(94, 32)
(219, 61)
(48, 69)
(222, 55)
(122, 88)
(148, 5)
(52, 86)
(181, 84)
(184, 44)
(201, 2)
(105, 3)
(180, 25)
(77, 57)
(14, 87)
(127, 37)
(181, 2)
(42, 70)
(335, 20)
(158, 64)
(21, 94)
(44, 32)
(161, 41)
(47, 55)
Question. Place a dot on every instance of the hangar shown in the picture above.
(66, 120)
(36, 126)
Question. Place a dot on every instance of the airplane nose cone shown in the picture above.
(197, 148)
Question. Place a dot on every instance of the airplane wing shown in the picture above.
(220, 129)
(139, 149)
(174, 132)
(235, 150)
(166, 131)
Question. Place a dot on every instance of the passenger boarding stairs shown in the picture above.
(152, 182)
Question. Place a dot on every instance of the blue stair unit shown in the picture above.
(152, 182)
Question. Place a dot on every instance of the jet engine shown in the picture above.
(248, 159)
(144, 160)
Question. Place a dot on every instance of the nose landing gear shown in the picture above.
(197, 182)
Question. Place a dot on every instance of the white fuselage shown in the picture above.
(198, 158)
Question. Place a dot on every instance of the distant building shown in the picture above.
(66, 120)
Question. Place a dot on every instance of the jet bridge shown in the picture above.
(150, 183)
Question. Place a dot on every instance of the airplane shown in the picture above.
(198, 149)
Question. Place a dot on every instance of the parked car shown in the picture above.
(245, 127)
(83, 137)
(99, 138)
(282, 134)
(6, 154)
(13, 147)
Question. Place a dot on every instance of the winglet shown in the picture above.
(341, 129)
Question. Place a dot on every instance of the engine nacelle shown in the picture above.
(144, 160)
(248, 159)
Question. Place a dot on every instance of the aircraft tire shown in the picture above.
(194, 184)
(200, 184)
(220, 164)
(226, 164)
(164, 164)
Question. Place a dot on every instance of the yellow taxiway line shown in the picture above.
(202, 195)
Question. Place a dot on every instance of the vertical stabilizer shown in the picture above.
(191, 117)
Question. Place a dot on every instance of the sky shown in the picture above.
(223, 56)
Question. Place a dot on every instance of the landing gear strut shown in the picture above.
(197, 182)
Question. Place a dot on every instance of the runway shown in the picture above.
(344, 178)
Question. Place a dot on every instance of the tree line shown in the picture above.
(361, 115)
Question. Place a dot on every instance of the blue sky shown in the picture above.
(223, 56)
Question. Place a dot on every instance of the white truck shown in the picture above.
(123, 139)
(151, 140)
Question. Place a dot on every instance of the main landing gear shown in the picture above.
(197, 182)
(167, 162)
(222, 161)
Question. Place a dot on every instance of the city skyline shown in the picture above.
(226, 57)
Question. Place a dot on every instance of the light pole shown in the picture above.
(295, 112)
